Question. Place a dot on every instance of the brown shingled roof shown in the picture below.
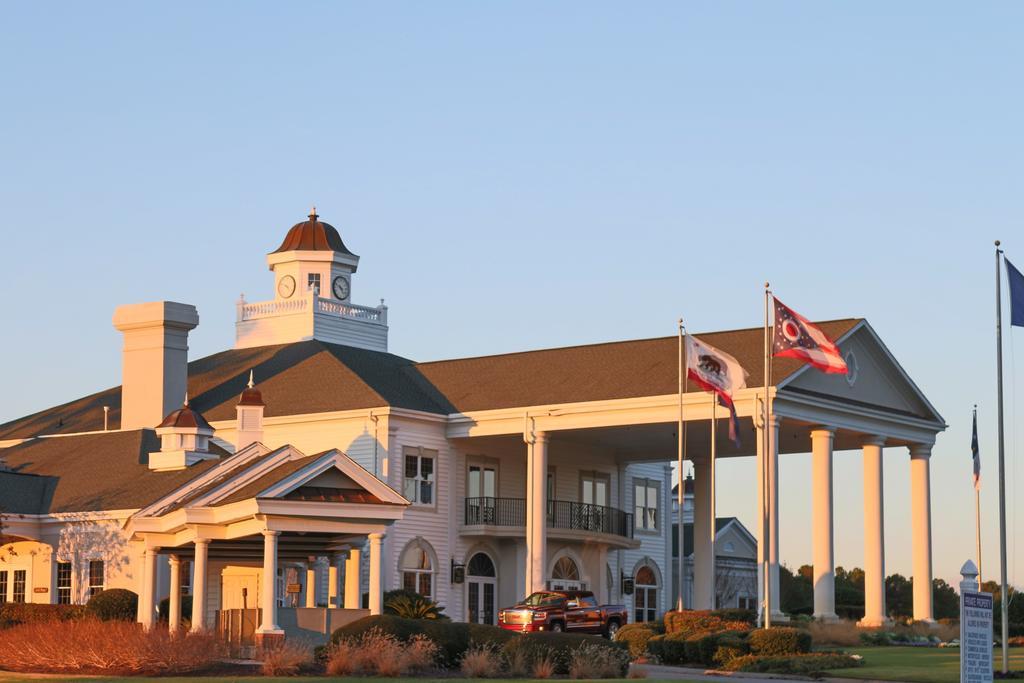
(105, 471)
(315, 377)
(313, 235)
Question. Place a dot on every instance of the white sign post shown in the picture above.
(975, 629)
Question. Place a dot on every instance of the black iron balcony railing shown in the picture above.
(562, 514)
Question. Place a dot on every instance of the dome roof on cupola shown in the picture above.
(185, 418)
(313, 235)
(251, 396)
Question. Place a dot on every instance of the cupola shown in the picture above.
(249, 428)
(313, 272)
(184, 440)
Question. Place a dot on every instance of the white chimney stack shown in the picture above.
(154, 362)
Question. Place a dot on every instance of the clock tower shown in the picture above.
(313, 272)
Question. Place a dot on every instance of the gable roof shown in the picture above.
(315, 377)
(86, 472)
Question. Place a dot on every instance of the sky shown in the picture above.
(534, 174)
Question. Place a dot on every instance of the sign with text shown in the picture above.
(975, 637)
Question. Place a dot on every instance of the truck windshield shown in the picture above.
(543, 599)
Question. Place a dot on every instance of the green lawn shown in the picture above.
(22, 678)
(917, 664)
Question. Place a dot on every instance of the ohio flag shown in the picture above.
(797, 337)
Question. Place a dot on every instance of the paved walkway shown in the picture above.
(657, 672)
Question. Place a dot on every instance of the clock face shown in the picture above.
(286, 286)
(340, 287)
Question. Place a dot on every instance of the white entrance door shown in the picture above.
(481, 588)
(240, 587)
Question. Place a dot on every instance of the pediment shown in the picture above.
(330, 477)
(876, 380)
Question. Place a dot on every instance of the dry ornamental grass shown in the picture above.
(105, 647)
(381, 654)
(285, 658)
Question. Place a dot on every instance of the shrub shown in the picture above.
(543, 668)
(164, 609)
(452, 638)
(527, 649)
(412, 606)
(779, 641)
(380, 653)
(284, 658)
(342, 658)
(635, 636)
(701, 621)
(838, 633)
(668, 648)
(592, 661)
(691, 647)
(747, 616)
(730, 648)
(90, 646)
(14, 613)
(115, 604)
(809, 664)
(481, 661)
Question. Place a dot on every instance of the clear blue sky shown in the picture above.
(524, 175)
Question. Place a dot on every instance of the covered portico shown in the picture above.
(875, 407)
(316, 512)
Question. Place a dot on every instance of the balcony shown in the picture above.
(565, 519)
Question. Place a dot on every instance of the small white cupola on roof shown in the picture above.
(312, 295)
(184, 440)
(250, 416)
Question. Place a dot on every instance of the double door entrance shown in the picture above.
(481, 589)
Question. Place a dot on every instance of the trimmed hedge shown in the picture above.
(669, 648)
(15, 613)
(730, 647)
(780, 640)
(528, 648)
(115, 604)
(636, 638)
(794, 664)
(164, 608)
(454, 638)
(703, 621)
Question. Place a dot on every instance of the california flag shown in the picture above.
(718, 372)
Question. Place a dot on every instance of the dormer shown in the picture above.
(184, 440)
(313, 272)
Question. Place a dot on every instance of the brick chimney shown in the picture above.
(154, 361)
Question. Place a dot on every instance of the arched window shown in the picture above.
(417, 569)
(481, 565)
(565, 575)
(645, 595)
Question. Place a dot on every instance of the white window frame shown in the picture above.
(313, 280)
(418, 480)
(91, 588)
(647, 485)
(64, 591)
(417, 572)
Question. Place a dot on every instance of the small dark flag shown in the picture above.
(1015, 280)
(974, 453)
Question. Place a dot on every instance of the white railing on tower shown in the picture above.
(313, 303)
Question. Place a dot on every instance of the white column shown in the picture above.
(536, 514)
(773, 550)
(376, 574)
(334, 588)
(174, 598)
(703, 564)
(823, 547)
(146, 605)
(921, 516)
(874, 536)
(269, 597)
(311, 582)
(352, 593)
(199, 585)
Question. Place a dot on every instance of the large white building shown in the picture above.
(312, 470)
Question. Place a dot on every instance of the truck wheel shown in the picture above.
(613, 628)
(557, 627)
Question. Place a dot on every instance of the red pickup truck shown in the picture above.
(572, 611)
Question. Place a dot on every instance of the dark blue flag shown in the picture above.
(1016, 283)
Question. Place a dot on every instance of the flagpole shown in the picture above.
(1002, 482)
(711, 472)
(765, 450)
(679, 470)
(977, 504)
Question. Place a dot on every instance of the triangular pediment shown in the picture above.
(876, 380)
